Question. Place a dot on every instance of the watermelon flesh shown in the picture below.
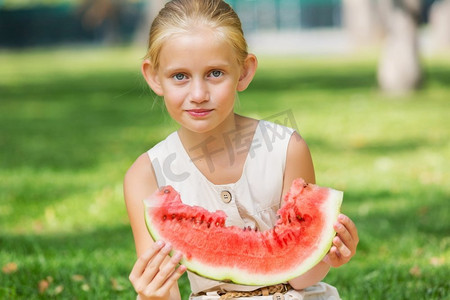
(299, 240)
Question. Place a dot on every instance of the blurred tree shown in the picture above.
(102, 13)
(399, 68)
(440, 25)
(105, 13)
(391, 25)
(363, 20)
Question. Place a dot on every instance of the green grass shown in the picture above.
(73, 120)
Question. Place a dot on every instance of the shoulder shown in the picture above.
(141, 168)
(297, 147)
(139, 180)
(141, 171)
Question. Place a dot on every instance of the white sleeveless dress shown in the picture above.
(252, 201)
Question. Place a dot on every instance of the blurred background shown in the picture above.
(400, 28)
(366, 82)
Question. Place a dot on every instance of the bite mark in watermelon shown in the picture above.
(299, 240)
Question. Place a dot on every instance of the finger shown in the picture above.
(344, 236)
(154, 265)
(174, 278)
(332, 258)
(350, 225)
(167, 270)
(169, 276)
(143, 260)
(342, 249)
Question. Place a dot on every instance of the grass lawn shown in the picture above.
(72, 122)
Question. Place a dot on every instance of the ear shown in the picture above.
(151, 76)
(248, 72)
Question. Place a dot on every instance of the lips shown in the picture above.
(199, 112)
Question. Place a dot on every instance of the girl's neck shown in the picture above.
(225, 148)
(215, 138)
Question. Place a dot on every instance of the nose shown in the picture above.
(198, 91)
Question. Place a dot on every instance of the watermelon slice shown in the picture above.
(299, 240)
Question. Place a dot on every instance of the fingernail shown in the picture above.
(159, 244)
(341, 217)
(178, 256)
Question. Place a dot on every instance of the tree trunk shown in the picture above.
(399, 69)
(363, 22)
(440, 26)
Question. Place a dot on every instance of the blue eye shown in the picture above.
(216, 73)
(179, 76)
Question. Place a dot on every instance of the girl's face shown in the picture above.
(198, 75)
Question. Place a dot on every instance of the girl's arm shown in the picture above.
(154, 275)
(299, 164)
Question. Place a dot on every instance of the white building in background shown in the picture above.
(259, 15)
(292, 26)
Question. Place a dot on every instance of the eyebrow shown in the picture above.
(174, 69)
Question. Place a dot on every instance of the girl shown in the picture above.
(197, 61)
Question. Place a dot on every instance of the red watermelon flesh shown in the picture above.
(299, 240)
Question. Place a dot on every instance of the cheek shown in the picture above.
(227, 92)
(173, 98)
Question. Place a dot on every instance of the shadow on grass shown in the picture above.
(377, 147)
(439, 75)
(71, 122)
(308, 81)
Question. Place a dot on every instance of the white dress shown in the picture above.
(252, 201)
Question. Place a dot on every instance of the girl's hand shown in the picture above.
(344, 243)
(153, 279)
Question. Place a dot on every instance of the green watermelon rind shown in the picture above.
(238, 276)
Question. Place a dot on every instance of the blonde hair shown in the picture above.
(182, 16)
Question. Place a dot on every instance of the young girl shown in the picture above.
(197, 61)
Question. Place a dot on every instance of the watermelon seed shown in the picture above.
(173, 216)
(249, 228)
(164, 217)
(166, 191)
(297, 212)
(208, 224)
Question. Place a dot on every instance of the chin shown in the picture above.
(201, 127)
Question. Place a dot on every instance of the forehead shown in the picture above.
(197, 45)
